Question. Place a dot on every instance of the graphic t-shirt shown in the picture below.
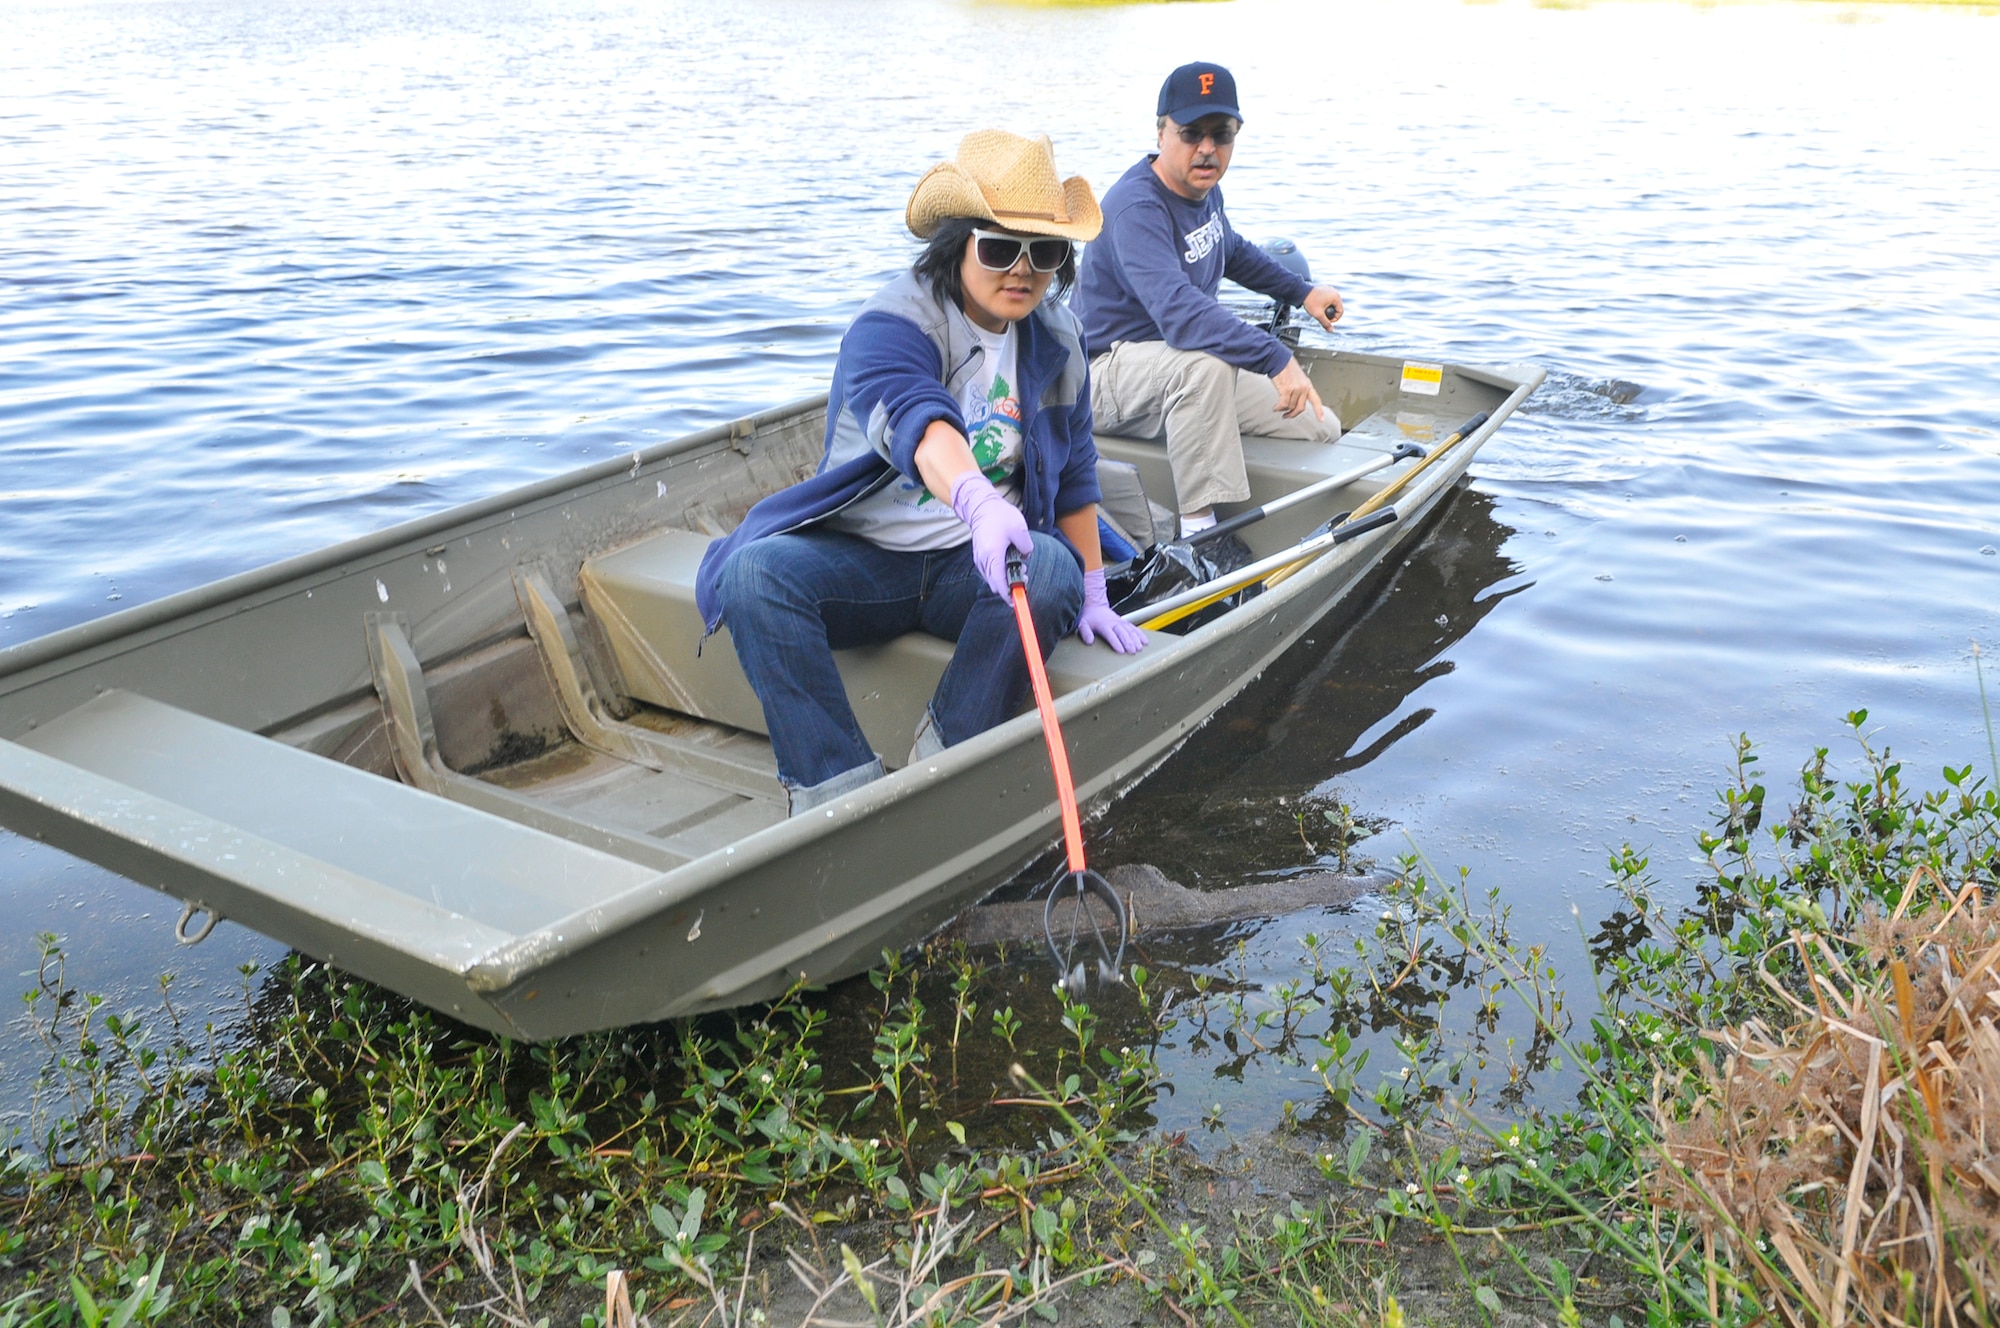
(906, 516)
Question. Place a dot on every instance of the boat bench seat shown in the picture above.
(326, 857)
(642, 596)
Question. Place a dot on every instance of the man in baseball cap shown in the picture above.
(1166, 358)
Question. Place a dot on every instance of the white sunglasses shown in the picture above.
(998, 252)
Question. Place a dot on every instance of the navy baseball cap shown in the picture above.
(1199, 89)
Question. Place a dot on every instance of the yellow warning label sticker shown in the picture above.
(1425, 380)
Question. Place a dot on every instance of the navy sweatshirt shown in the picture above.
(1153, 274)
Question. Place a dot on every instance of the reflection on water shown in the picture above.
(1227, 805)
(1249, 795)
(278, 276)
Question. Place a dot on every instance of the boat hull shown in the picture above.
(283, 656)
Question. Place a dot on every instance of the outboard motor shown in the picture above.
(1289, 257)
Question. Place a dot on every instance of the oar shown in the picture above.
(1084, 881)
(1297, 496)
(1193, 600)
(1388, 491)
(1180, 553)
(1371, 515)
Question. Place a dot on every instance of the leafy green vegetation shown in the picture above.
(951, 1144)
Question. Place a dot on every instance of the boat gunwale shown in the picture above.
(100, 632)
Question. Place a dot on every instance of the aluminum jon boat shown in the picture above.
(479, 759)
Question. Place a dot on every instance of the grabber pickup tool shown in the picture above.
(1090, 893)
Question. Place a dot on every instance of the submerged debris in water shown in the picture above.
(1156, 904)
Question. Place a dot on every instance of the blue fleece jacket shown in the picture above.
(900, 367)
(1153, 274)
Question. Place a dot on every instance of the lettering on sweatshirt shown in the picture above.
(1201, 241)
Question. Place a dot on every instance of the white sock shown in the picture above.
(1194, 525)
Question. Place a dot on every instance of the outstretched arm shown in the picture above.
(891, 379)
(1250, 266)
(943, 457)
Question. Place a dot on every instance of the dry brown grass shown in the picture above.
(1849, 1166)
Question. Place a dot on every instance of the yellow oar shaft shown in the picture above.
(1387, 493)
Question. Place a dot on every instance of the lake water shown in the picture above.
(276, 276)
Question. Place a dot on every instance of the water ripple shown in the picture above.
(279, 275)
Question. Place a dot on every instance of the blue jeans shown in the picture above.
(790, 601)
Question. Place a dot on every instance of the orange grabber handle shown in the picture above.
(1045, 702)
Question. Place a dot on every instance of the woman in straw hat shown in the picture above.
(957, 432)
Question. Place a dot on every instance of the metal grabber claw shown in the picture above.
(1082, 887)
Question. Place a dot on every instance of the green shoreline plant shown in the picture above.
(1719, 1162)
(969, 1149)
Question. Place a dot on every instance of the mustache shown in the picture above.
(1205, 159)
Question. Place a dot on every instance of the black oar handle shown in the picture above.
(1373, 521)
(1221, 528)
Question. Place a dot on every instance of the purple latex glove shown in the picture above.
(1098, 619)
(997, 526)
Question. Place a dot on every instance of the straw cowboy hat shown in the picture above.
(1010, 181)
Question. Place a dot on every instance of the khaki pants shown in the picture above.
(1146, 389)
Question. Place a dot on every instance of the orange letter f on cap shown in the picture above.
(1207, 84)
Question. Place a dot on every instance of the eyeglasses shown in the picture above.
(1193, 134)
(997, 252)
